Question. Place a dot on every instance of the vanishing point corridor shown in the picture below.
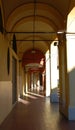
(37, 65)
(33, 112)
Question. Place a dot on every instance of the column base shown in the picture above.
(71, 113)
(54, 97)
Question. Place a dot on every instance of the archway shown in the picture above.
(33, 62)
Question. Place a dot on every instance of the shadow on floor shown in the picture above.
(36, 113)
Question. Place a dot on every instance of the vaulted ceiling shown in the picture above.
(34, 21)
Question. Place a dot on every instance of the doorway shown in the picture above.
(14, 80)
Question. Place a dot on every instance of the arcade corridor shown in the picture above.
(36, 113)
(36, 56)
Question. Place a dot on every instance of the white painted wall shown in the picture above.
(54, 63)
(71, 62)
(48, 82)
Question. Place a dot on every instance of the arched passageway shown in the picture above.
(45, 27)
(33, 62)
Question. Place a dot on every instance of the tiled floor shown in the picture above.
(36, 113)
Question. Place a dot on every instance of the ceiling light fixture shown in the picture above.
(34, 14)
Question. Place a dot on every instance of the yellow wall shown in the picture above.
(3, 59)
(6, 79)
(5, 99)
(5, 83)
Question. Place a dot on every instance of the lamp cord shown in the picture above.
(34, 22)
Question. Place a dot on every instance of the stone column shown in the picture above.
(63, 78)
(48, 82)
(71, 62)
(54, 72)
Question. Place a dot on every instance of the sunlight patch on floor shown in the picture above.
(30, 96)
(35, 94)
(23, 101)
